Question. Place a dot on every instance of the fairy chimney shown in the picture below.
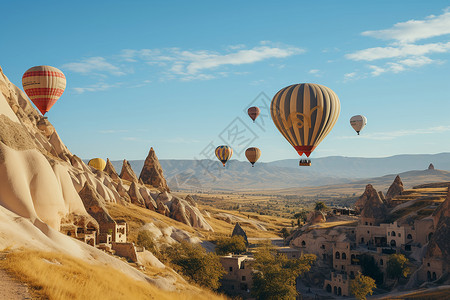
(127, 172)
(152, 172)
(395, 189)
(110, 170)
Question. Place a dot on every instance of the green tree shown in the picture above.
(397, 266)
(370, 268)
(285, 232)
(192, 261)
(320, 206)
(146, 239)
(275, 274)
(361, 286)
(302, 216)
(235, 244)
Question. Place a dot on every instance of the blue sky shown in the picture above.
(178, 75)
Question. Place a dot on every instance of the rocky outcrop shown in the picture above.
(395, 189)
(152, 172)
(123, 192)
(238, 230)
(135, 195)
(110, 170)
(127, 172)
(316, 216)
(439, 245)
(190, 199)
(94, 205)
(373, 210)
(431, 167)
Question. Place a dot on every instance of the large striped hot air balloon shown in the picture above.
(358, 122)
(44, 85)
(253, 154)
(224, 153)
(97, 163)
(253, 112)
(304, 114)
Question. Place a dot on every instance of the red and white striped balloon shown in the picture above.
(44, 85)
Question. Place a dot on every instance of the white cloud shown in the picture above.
(93, 65)
(376, 53)
(390, 135)
(402, 54)
(414, 30)
(95, 87)
(350, 76)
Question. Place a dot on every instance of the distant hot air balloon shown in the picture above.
(358, 122)
(253, 112)
(304, 114)
(253, 154)
(224, 153)
(97, 163)
(44, 85)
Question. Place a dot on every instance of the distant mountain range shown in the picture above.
(285, 174)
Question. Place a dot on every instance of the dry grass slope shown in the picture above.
(59, 276)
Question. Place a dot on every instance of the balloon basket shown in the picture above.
(304, 163)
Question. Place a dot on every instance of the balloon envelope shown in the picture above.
(44, 85)
(97, 163)
(305, 114)
(253, 154)
(253, 112)
(224, 153)
(358, 122)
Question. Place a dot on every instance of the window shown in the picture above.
(393, 243)
(409, 237)
(231, 269)
(303, 244)
(389, 234)
(344, 256)
(366, 223)
(243, 278)
(434, 275)
(368, 231)
(428, 264)
(399, 234)
(381, 262)
(337, 255)
(393, 233)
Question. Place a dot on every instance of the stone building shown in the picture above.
(237, 280)
(339, 284)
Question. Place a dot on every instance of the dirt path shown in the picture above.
(11, 288)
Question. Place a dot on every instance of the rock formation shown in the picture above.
(110, 170)
(373, 210)
(316, 216)
(135, 195)
(238, 230)
(123, 192)
(127, 172)
(431, 167)
(152, 172)
(191, 200)
(395, 189)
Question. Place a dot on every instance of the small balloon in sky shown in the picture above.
(44, 85)
(358, 122)
(253, 112)
(224, 153)
(97, 163)
(253, 154)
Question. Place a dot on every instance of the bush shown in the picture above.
(235, 244)
(361, 286)
(146, 239)
(192, 261)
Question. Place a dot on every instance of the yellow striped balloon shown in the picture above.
(304, 114)
(97, 163)
(253, 154)
(224, 153)
(44, 85)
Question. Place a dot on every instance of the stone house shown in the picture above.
(339, 284)
(237, 280)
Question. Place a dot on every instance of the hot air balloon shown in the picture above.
(44, 85)
(253, 154)
(305, 114)
(97, 163)
(358, 122)
(224, 153)
(253, 112)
